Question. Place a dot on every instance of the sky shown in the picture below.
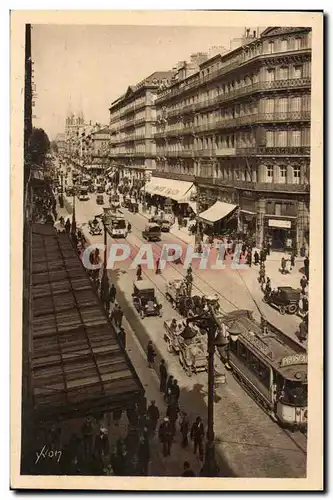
(87, 67)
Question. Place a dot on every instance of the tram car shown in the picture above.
(272, 372)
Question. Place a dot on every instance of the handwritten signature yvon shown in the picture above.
(45, 453)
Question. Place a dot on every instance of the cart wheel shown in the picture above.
(282, 309)
(292, 309)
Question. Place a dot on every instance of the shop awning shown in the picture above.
(217, 212)
(78, 366)
(180, 191)
(193, 205)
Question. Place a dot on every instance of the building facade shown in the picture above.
(240, 128)
(132, 128)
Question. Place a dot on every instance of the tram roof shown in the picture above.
(270, 348)
(78, 366)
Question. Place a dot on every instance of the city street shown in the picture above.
(246, 438)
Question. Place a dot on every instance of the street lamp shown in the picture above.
(73, 229)
(209, 322)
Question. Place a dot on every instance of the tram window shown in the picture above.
(259, 369)
(242, 351)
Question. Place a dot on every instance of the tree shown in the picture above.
(39, 145)
(54, 146)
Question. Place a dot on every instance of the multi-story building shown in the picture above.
(239, 128)
(61, 143)
(132, 127)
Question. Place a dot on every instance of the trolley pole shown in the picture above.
(210, 468)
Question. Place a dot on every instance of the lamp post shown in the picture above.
(211, 324)
(73, 228)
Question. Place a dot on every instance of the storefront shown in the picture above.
(179, 194)
(280, 232)
(221, 218)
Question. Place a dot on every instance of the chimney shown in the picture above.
(247, 32)
(254, 33)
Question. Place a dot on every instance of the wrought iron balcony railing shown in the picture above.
(254, 186)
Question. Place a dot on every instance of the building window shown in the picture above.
(269, 173)
(296, 175)
(271, 47)
(271, 75)
(269, 105)
(283, 105)
(296, 103)
(298, 43)
(295, 138)
(283, 174)
(281, 138)
(298, 71)
(284, 45)
(283, 73)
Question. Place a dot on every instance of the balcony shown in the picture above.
(225, 152)
(139, 120)
(254, 186)
(173, 175)
(127, 124)
(274, 150)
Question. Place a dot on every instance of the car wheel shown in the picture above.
(292, 309)
(282, 310)
(265, 299)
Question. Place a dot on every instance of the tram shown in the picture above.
(272, 372)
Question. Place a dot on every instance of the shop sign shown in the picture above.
(286, 224)
(295, 359)
(166, 191)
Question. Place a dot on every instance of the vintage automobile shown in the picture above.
(164, 224)
(284, 298)
(189, 343)
(152, 232)
(144, 299)
(100, 188)
(95, 228)
(100, 199)
(69, 191)
(126, 202)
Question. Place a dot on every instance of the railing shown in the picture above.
(139, 120)
(248, 89)
(254, 186)
(127, 124)
(173, 175)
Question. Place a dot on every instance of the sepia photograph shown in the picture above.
(167, 235)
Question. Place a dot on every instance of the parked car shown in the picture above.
(144, 299)
(284, 298)
(152, 232)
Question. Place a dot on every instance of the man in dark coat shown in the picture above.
(112, 293)
(153, 415)
(102, 446)
(150, 354)
(143, 457)
(188, 472)
(197, 436)
(256, 258)
(306, 267)
(165, 436)
(88, 440)
(168, 387)
(68, 226)
(184, 429)
(175, 391)
(163, 376)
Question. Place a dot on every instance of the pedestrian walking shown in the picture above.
(283, 265)
(305, 304)
(163, 376)
(172, 414)
(184, 429)
(249, 258)
(188, 472)
(175, 391)
(165, 436)
(139, 272)
(256, 258)
(168, 387)
(150, 354)
(68, 226)
(292, 260)
(143, 457)
(306, 267)
(197, 435)
(129, 227)
(102, 446)
(268, 287)
(119, 317)
(88, 439)
(158, 270)
(303, 283)
(112, 293)
(153, 416)
(122, 337)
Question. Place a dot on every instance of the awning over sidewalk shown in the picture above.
(180, 191)
(78, 366)
(217, 212)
